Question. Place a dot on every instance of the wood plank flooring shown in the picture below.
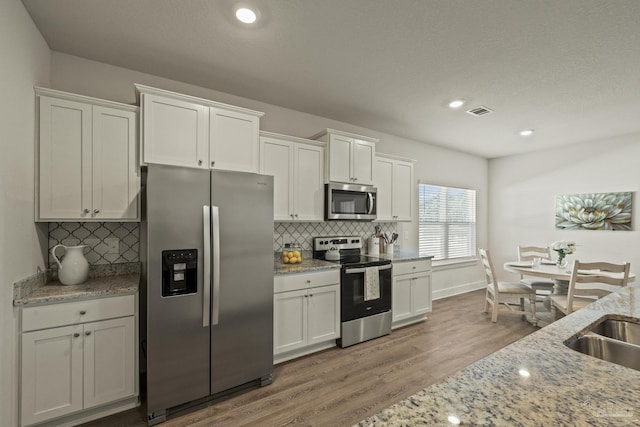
(339, 387)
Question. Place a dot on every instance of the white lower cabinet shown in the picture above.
(411, 292)
(306, 313)
(73, 361)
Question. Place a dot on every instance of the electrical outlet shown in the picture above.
(113, 243)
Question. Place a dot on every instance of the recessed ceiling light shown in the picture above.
(245, 15)
(457, 103)
(526, 132)
(453, 420)
(524, 373)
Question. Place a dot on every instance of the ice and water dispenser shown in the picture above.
(179, 272)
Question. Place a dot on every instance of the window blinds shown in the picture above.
(447, 222)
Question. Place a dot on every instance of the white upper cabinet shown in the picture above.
(87, 166)
(350, 157)
(183, 130)
(297, 165)
(394, 181)
(233, 140)
(174, 132)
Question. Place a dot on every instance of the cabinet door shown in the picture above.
(401, 297)
(290, 321)
(403, 191)
(65, 159)
(175, 132)
(308, 183)
(276, 159)
(324, 313)
(363, 156)
(340, 159)
(115, 181)
(421, 294)
(234, 143)
(51, 373)
(109, 360)
(384, 183)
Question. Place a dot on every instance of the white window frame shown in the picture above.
(427, 246)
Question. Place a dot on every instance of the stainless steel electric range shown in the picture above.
(365, 289)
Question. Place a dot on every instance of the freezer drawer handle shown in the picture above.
(215, 216)
(206, 279)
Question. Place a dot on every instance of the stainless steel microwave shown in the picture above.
(350, 202)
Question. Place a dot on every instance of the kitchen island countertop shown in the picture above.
(536, 381)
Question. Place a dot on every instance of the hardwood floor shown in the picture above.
(339, 387)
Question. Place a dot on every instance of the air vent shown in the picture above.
(480, 111)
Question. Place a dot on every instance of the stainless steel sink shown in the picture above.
(619, 330)
(613, 340)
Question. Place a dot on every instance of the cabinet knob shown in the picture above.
(308, 281)
(83, 312)
(95, 211)
(306, 296)
(414, 267)
(213, 164)
(291, 215)
(296, 215)
(199, 162)
(310, 295)
(87, 333)
(76, 335)
(87, 210)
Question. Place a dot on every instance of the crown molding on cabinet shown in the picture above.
(342, 133)
(43, 91)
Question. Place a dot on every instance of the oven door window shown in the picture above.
(353, 304)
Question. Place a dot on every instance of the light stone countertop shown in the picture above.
(111, 280)
(401, 255)
(565, 387)
(307, 265)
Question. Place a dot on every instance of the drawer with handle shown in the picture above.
(409, 267)
(298, 281)
(70, 313)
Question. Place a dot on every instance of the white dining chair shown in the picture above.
(502, 293)
(589, 281)
(542, 287)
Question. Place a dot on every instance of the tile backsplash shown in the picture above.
(124, 237)
(304, 232)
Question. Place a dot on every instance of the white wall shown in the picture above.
(522, 199)
(435, 165)
(25, 63)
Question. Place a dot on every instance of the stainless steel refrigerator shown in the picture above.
(207, 255)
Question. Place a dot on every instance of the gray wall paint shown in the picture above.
(523, 190)
(25, 63)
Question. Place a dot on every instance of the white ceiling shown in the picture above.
(570, 69)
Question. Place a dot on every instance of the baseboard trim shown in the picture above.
(457, 290)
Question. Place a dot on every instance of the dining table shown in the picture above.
(559, 275)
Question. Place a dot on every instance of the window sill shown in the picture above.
(448, 264)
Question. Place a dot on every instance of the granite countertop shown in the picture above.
(564, 388)
(111, 280)
(307, 265)
(402, 255)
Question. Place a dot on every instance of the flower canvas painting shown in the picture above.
(595, 211)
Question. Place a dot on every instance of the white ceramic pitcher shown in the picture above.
(74, 268)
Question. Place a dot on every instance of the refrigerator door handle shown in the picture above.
(215, 216)
(206, 279)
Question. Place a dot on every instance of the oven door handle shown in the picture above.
(362, 270)
(370, 203)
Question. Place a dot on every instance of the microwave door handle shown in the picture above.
(370, 203)
(206, 277)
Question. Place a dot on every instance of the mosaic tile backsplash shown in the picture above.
(124, 237)
(304, 232)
